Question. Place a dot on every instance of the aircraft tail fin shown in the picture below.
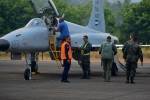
(97, 21)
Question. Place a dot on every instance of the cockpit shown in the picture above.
(36, 22)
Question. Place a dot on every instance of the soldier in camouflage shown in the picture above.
(131, 53)
(85, 58)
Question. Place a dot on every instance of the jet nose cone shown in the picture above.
(4, 45)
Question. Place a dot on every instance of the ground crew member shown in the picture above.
(63, 29)
(85, 58)
(107, 51)
(66, 56)
(131, 53)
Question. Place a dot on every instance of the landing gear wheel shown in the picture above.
(27, 74)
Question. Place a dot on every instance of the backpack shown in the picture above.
(107, 51)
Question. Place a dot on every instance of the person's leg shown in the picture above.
(88, 70)
(88, 67)
(109, 66)
(66, 71)
(104, 63)
(128, 68)
(133, 71)
(83, 69)
(107, 70)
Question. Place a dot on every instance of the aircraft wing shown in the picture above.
(44, 6)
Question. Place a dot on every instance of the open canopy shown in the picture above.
(44, 7)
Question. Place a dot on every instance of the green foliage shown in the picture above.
(75, 13)
(14, 14)
(137, 20)
(109, 21)
(121, 21)
(80, 14)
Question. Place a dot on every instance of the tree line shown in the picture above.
(125, 19)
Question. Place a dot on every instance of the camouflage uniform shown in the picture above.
(131, 53)
(85, 59)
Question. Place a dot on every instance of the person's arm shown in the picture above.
(124, 50)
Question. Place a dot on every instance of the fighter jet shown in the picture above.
(34, 36)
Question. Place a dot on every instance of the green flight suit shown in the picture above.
(107, 61)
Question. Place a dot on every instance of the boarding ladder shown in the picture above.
(53, 50)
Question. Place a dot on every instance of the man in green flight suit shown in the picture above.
(85, 57)
(131, 53)
(107, 51)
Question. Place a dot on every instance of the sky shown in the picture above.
(136, 0)
(81, 1)
(123, 0)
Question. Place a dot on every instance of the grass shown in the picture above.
(94, 55)
(146, 52)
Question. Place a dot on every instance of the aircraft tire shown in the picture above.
(27, 74)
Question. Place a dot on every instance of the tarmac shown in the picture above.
(47, 85)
